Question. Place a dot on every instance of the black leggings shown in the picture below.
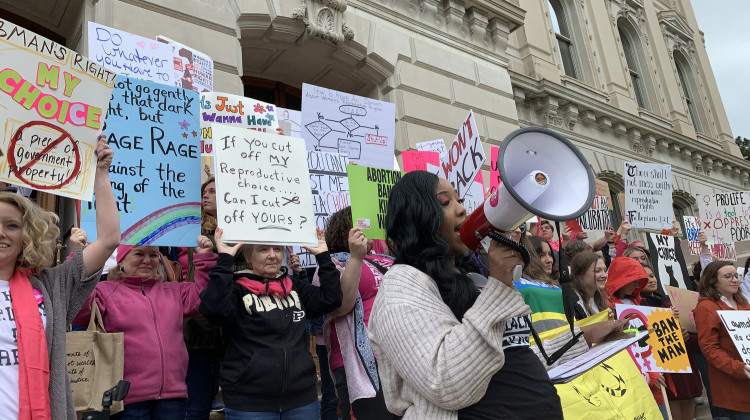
(363, 408)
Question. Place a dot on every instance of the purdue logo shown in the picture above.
(298, 316)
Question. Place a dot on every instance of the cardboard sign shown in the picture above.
(465, 157)
(613, 389)
(495, 180)
(131, 55)
(53, 103)
(684, 301)
(234, 110)
(668, 262)
(664, 350)
(262, 187)
(370, 189)
(364, 129)
(737, 324)
(330, 192)
(725, 216)
(724, 251)
(155, 173)
(602, 190)
(648, 195)
(193, 70)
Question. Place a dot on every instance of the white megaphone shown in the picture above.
(543, 174)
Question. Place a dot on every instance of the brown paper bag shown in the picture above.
(95, 361)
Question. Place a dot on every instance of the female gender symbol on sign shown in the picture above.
(63, 136)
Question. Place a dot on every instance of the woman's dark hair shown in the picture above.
(574, 248)
(578, 269)
(337, 230)
(710, 278)
(546, 222)
(536, 245)
(412, 226)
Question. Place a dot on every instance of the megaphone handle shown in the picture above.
(504, 240)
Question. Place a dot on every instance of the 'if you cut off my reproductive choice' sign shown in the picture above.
(262, 187)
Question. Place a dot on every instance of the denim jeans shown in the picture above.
(169, 409)
(202, 383)
(306, 412)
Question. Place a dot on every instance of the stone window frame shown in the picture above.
(574, 23)
(690, 93)
(635, 63)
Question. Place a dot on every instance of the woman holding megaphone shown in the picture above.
(444, 350)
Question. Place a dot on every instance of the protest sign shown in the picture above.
(602, 190)
(684, 301)
(369, 190)
(52, 100)
(193, 70)
(262, 187)
(290, 121)
(364, 129)
(648, 195)
(668, 262)
(234, 110)
(725, 251)
(465, 157)
(437, 145)
(613, 389)
(664, 350)
(725, 217)
(415, 160)
(597, 217)
(131, 55)
(495, 180)
(155, 174)
(475, 195)
(737, 324)
(330, 192)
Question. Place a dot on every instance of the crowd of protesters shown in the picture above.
(414, 327)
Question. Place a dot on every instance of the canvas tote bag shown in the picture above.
(95, 362)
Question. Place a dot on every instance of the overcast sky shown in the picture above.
(725, 23)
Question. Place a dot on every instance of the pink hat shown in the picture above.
(636, 243)
(122, 251)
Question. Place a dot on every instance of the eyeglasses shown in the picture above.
(730, 276)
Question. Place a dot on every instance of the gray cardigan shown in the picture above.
(65, 290)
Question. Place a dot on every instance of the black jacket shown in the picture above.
(267, 364)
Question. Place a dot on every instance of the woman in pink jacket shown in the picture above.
(150, 312)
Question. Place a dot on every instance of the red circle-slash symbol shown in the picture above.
(64, 135)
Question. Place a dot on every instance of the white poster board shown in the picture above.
(131, 55)
(291, 121)
(234, 110)
(437, 145)
(364, 129)
(737, 324)
(725, 217)
(724, 251)
(464, 158)
(193, 70)
(648, 195)
(262, 187)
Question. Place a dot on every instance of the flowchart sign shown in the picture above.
(52, 103)
(465, 157)
(737, 324)
(131, 55)
(370, 189)
(648, 195)
(664, 350)
(725, 251)
(193, 70)
(236, 111)
(262, 187)
(361, 128)
(155, 174)
(725, 216)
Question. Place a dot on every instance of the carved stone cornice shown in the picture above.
(324, 19)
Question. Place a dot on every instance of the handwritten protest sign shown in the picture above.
(465, 157)
(234, 110)
(262, 187)
(684, 301)
(155, 174)
(415, 160)
(290, 121)
(664, 350)
(648, 195)
(668, 262)
(369, 190)
(130, 55)
(330, 192)
(724, 251)
(364, 129)
(193, 70)
(737, 324)
(475, 195)
(52, 101)
(725, 216)
(597, 217)
(437, 145)
(602, 190)
(495, 180)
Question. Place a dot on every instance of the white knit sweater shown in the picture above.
(430, 364)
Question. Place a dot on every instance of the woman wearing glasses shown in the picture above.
(729, 375)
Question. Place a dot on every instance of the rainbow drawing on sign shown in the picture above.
(158, 223)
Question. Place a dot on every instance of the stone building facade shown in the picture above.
(625, 80)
